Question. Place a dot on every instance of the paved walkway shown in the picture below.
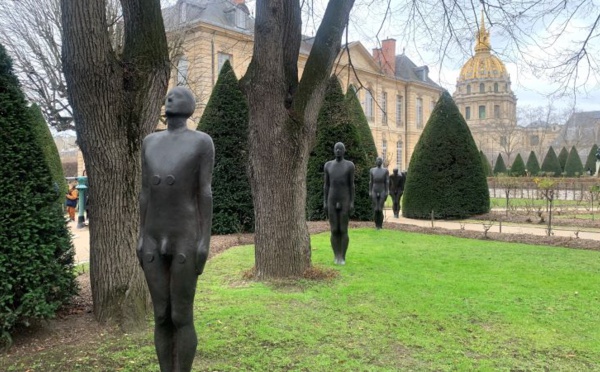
(81, 237)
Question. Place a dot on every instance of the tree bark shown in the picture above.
(116, 102)
(283, 114)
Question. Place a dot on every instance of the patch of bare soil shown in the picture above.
(76, 324)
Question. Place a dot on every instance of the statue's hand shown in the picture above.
(138, 250)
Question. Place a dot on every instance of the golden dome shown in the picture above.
(483, 64)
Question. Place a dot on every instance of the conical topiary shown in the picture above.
(573, 167)
(446, 177)
(517, 169)
(562, 158)
(533, 165)
(590, 163)
(551, 165)
(500, 167)
(46, 143)
(36, 261)
(335, 125)
(225, 119)
(487, 168)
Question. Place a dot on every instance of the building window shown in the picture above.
(495, 87)
(481, 88)
(503, 141)
(368, 105)
(384, 149)
(384, 117)
(468, 89)
(482, 112)
(399, 155)
(224, 57)
(467, 113)
(496, 111)
(419, 113)
(398, 111)
(182, 71)
(240, 18)
(534, 140)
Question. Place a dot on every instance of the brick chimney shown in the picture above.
(388, 56)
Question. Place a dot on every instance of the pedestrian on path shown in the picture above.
(72, 199)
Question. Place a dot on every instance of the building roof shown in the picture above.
(408, 71)
(582, 128)
(220, 13)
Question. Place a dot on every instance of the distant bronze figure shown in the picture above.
(379, 190)
(339, 200)
(175, 224)
(396, 190)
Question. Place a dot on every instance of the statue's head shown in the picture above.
(339, 149)
(180, 102)
(395, 171)
(378, 161)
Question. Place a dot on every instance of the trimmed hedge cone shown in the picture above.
(36, 253)
(445, 175)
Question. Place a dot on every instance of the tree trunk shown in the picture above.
(116, 104)
(283, 114)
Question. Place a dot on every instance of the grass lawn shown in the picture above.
(404, 301)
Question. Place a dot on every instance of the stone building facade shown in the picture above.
(397, 96)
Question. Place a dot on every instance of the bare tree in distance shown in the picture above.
(31, 32)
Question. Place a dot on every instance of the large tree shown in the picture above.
(116, 98)
(283, 118)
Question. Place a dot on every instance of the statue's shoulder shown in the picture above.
(349, 164)
(201, 136)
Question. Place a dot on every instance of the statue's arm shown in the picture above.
(370, 183)
(325, 186)
(351, 180)
(205, 202)
(143, 200)
(387, 182)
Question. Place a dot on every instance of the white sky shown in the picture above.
(368, 18)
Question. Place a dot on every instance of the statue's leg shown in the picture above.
(336, 243)
(344, 238)
(396, 204)
(157, 276)
(183, 289)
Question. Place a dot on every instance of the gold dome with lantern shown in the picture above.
(483, 65)
(484, 96)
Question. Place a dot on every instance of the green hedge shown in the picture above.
(562, 158)
(48, 146)
(500, 167)
(517, 168)
(533, 165)
(551, 164)
(445, 170)
(225, 119)
(37, 254)
(487, 168)
(590, 163)
(573, 166)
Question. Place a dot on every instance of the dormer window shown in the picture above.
(240, 18)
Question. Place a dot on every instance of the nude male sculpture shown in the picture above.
(175, 225)
(379, 190)
(396, 190)
(339, 200)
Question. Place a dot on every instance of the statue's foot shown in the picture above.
(396, 216)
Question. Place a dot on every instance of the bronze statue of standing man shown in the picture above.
(175, 226)
(338, 200)
(379, 190)
(396, 190)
